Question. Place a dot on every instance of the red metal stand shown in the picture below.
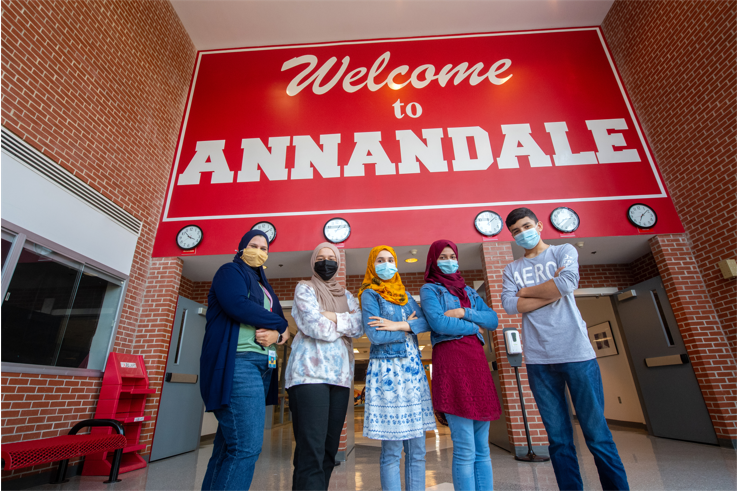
(122, 398)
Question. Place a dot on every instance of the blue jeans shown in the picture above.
(548, 383)
(414, 464)
(471, 459)
(240, 426)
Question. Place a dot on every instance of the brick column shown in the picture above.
(494, 257)
(153, 334)
(706, 343)
(341, 277)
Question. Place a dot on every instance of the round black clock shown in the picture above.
(337, 230)
(642, 216)
(488, 223)
(266, 227)
(565, 219)
(189, 237)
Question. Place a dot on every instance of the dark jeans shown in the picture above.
(548, 383)
(318, 413)
(240, 426)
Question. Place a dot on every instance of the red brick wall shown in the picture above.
(711, 357)
(98, 87)
(34, 407)
(186, 288)
(495, 256)
(643, 268)
(677, 60)
(593, 276)
(159, 308)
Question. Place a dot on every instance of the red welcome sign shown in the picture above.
(408, 140)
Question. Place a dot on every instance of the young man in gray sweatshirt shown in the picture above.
(558, 353)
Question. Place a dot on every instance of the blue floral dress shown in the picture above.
(398, 402)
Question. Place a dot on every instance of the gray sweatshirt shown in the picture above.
(555, 333)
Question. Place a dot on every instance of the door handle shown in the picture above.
(667, 360)
(175, 377)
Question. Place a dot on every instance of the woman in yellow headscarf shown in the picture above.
(398, 408)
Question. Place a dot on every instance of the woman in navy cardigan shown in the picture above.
(245, 322)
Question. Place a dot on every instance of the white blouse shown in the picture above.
(322, 351)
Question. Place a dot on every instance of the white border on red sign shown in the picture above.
(645, 146)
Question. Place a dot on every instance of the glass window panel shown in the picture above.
(7, 243)
(59, 312)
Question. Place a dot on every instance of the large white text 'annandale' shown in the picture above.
(358, 78)
(367, 149)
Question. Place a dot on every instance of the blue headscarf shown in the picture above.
(255, 275)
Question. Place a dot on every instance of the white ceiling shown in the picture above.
(595, 251)
(215, 24)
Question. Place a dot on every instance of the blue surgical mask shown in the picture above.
(448, 266)
(386, 271)
(527, 239)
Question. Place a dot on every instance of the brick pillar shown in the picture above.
(494, 257)
(706, 343)
(153, 334)
(341, 277)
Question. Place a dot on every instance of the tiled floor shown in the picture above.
(651, 464)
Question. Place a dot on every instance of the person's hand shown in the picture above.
(266, 338)
(285, 336)
(383, 324)
(330, 315)
(557, 272)
(412, 316)
(455, 313)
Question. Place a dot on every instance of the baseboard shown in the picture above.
(207, 439)
(43, 478)
(622, 423)
(728, 443)
(537, 449)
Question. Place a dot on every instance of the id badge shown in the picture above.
(272, 359)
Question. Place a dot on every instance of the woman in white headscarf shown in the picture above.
(319, 373)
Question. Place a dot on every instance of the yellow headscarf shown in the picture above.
(392, 290)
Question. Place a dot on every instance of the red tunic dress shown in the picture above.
(461, 381)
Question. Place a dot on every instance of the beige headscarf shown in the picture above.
(330, 295)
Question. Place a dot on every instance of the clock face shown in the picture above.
(266, 227)
(337, 230)
(642, 216)
(565, 219)
(189, 237)
(488, 223)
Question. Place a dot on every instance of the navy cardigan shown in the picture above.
(229, 305)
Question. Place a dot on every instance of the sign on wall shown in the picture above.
(408, 140)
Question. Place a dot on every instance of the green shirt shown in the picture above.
(247, 335)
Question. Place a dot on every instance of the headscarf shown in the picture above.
(255, 275)
(392, 290)
(331, 294)
(453, 282)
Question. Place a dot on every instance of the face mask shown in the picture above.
(528, 239)
(386, 271)
(254, 257)
(326, 269)
(448, 266)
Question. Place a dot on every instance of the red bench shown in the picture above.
(63, 448)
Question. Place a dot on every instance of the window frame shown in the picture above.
(21, 235)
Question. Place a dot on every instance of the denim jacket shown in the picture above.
(436, 300)
(390, 344)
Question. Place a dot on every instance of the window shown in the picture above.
(57, 311)
(7, 243)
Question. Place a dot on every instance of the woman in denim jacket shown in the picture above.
(398, 407)
(463, 389)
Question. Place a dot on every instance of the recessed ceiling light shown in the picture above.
(355, 351)
(411, 260)
(422, 347)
